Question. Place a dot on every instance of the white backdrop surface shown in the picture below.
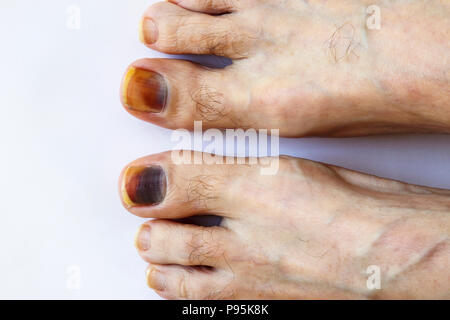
(65, 137)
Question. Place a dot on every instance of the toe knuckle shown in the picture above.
(230, 42)
(172, 34)
(230, 4)
(222, 5)
(202, 248)
(209, 103)
(202, 190)
(208, 4)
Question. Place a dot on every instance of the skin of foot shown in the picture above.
(308, 68)
(312, 231)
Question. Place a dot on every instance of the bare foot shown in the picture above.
(311, 231)
(304, 67)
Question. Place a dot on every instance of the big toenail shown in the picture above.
(148, 32)
(155, 279)
(142, 239)
(144, 91)
(144, 186)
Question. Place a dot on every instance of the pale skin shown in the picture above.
(308, 68)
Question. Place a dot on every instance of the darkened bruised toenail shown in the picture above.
(142, 239)
(155, 279)
(148, 31)
(144, 186)
(144, 91)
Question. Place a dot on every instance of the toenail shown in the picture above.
(148, 31)
(144, 186)
(144, 91)
(155, 279)
(142, 239)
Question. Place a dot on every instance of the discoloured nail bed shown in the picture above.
(144, 186)
(144, 91)
(317, 236)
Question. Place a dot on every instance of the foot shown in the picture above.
(304, 67)
(311, 231)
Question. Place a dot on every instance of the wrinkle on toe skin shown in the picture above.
(201, 189)
(210, 103)
(203, 248)
(202, 36)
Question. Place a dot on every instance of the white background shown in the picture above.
(65, 137)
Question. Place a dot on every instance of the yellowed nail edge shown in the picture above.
(148, 276)
(141, 31)
(136, 236)
(126, 198)
(130, 73)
